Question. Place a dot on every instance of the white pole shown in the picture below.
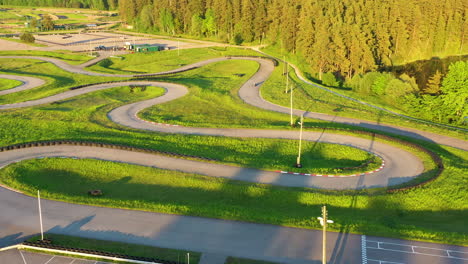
(40, 213)
(291, 102)
(188, 258)
(298, 164)
(287, 77)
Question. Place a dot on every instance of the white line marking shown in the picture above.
(418, 253)
(24, 260)
(50, 259)
(385, 262)
(463, 252)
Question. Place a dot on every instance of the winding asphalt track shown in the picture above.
(401, 166)
(288, 245)
(251, 94)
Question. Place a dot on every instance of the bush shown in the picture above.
(27, 37)
(329, 79)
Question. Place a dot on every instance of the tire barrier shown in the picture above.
(47, 245)
(435, 158)
(101, 145)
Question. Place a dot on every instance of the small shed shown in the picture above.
(146, 48)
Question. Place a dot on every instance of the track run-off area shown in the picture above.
(399, 166)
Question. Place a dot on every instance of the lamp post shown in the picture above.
(287, 77)
(298, 161)
(291, 122)
(324, 221)
(40, 214)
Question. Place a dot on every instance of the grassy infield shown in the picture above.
(422, 213)
(6, 84)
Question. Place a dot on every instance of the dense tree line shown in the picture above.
(346, 37)
(94, 4)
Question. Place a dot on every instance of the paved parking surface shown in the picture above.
(390, 251)
(15, 256)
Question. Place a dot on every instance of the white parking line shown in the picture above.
(50, 259)
(24, 260)
(413, 250)
(384, 262)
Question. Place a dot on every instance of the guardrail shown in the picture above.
(46, 247)
(97, 144)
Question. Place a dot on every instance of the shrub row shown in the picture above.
(47, 244)
(101, 145)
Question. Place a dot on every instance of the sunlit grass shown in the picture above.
(6, 84)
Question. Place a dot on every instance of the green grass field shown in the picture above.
(65, 55)
(421, 213)
(162, 61)
(6, 84)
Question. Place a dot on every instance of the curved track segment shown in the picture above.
(394, 173)
(28, 83)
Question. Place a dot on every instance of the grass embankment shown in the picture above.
(121, 248)
(57, 79)
(164, 60)
(65, 55)
(311, 98)
(6, 84)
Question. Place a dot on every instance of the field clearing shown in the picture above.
(163, 61)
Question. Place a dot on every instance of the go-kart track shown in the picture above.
(220, 237)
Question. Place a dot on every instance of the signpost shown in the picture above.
(324, 221)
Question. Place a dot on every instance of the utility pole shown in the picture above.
(291, 102)
(298, 161)
(40, 214)
(324, 221)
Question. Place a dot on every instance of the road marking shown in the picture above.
(413, 250)
(24, 260)
(50, 259)
(384, 262)
(364, 249)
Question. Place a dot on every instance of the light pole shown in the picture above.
(291, 102)
(298, 161)
(324, 221)
(40, 214)
(287, 77)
